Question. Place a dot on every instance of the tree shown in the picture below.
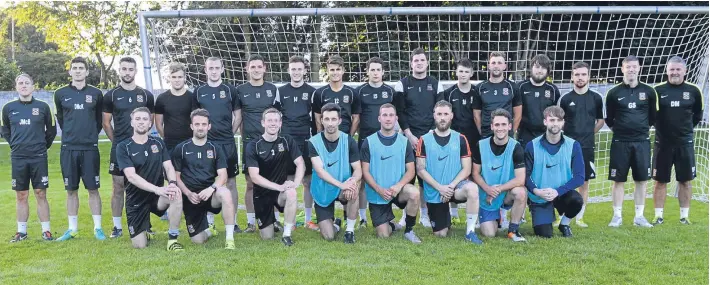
(8, 72)
(47, 68)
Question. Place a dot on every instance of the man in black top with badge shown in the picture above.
(584, 117)
(680, 108)
(79, 115)
(253, 98)
(340, 94)
(268, 160)
(496, 92)
(220, 100)
(118, 104)
(201, 171)
(28, 126)
(172, 109)
(414, 99)
(630, 111)
(295, 105)
(143, 159)
(536, 94)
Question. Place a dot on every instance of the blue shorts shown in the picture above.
(542, 213)
(487, 216)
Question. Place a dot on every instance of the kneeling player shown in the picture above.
(140, 158)
(554, 168)
(269, 160)
(445, 177)
(201, 171)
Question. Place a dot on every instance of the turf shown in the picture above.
(670, 253)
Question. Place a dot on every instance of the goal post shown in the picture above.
(600, 36)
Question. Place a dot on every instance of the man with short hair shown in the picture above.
(536, 94)
(680, 108)
(28, 126)
(201, 172)
(444, 163)
(117, 106)
(143, 159)
(340, 94)
(269, 159)
(79, 116)
(496, 92)
(387, 168)
(584, 117)
(336, 174)
(630, 111)
(173, 107)
(554, 168)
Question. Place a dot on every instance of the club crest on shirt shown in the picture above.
(89, 99)
(190, 228)
(210, 154)
(346, 99)
(686, 95)
(547, 94)
(304, 96)
(139, 98)
(35, 111)
(222, 94)
(385, 94)
(281, 147)
(154, 148)
(429, 87)
(268, 93)
(505, 91)
(642, 96)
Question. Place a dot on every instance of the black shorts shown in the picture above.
(264, 203)
(328, 212)
(680, 156)
(382, 213)
(196, 215)
(636, 155)
(302, 144)
(33, 169)
(230, 151)
(590, 170)
(138, 214)
(439, 214)
(113, 162)
(80, 164)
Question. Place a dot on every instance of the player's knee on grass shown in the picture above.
(383, 231)
(488, 229)
(140, 241)
(544, 230)
(200, 238)
(441, 233)
(327, 231)
(267, 232)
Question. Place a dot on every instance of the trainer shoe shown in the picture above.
(19, 237)
(237, 230)
(312, 226)
(615, 222)
(362, 224)
(69, 234)
(402, 222)
(642, 222)
(658, 220)
(278, 227)
(522, 220)
(287, 241)
(396, 227)
(174, 245)
(99, 234)
(566, 230)
(150, 233)
(516, 236)
(229, 244)
(473, 237)
(338, 224)
(424, 220)
(580, 223)
(411, 236)
(250, 228)
(47, 236)
(557, 221)
(349, 237)
(455, 221)
(685, 221)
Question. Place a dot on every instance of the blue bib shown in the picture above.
(495, 170)
(387, 165)
(336, 163)
(550, 171)
(443, 163)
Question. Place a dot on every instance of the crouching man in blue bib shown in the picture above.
(555, 167)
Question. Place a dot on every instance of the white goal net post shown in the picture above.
(600, 36)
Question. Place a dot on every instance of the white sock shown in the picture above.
(454, 211)
(287, 229)
(277, 215)
(45, 227)
(424, 213)
(617, 211)
(117, 222)
(565, 220)
(22, 227)
(639, 210)
(210, 218)
(684, 212)
(471, 222)
(580, 215)
(309, 212)
(97, 221)
(350, 226)
(659, 212)
(251, 217)
(363, 214)
(229, 229)
(73, 223)
(504, 215)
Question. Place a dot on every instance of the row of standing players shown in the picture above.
(233, 108)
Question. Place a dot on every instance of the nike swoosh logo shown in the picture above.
(120, 98)
(442, 158)
(286, 97)
(67, 99)
(664, 96)
(485, 91)
(622, 98)
(454, 100)
(326, 100)
(15, 113)
(246, 95)
(496, 168)
(189, 152)
(134, 154)
(332, 163)
(526, 92)
(203, 95)
(550, 166)
(385, 157)
(261, 152)
(409, 87)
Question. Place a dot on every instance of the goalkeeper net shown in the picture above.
(448, 34)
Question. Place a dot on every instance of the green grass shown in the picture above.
(671, 253)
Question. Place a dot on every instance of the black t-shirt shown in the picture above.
(581, 114)
(198, 164)
(253, 101)
(147, 159)
(274, 159)
(220, 102)
(415, 100)
(346, 98)
(442, 141)
(353, 152)
(387, 141)
(79, 114)
(176, 116)
(535, 100)
(120, 103)
(371, 98)
(518, 153)
(491, 96)
(295, 105)
(462, 104)
(680, 108)
(28, 127)
(630, 111)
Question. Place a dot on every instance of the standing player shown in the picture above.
(201, 171)
(295, 105)
(446, 177)
(499, 171)
(536, 94)
(143, 159)
(584, 117)
(340, 94)
(414, 99)
(680, 108)
(268, 159)
(253, 98)
(554, 168)
(172, 109)
(28, 126)
(387, 168)
(220, 100)
(118, 104)
(336, 167)
(496, 92)
(630, 111)
(373, 94)
(78, 108)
